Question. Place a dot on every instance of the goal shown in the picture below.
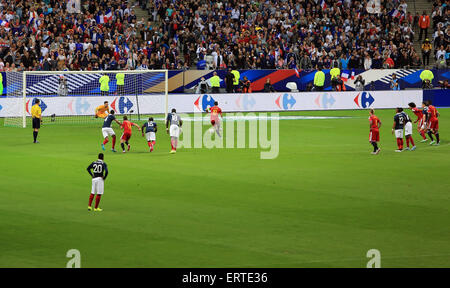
(73, 96)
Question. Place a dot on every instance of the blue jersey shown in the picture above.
(173, 119)
(400, 121)
(99, 169)
(108, 121)
(149, 127)
(425, 112)
(407, 119)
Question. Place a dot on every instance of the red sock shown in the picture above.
(105, 141)
(171, 144)
(412, 141)
(423, 134)
(401, 144)
(407, 141)
(97, 201)
(149, 143)
(113, 141)
(91, 197)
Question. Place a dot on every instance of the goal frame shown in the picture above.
(25, 73)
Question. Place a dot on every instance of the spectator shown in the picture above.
(246, 85)
(441, 63)
(202, 86)
(229, 81)
(424, 23)
(367, 62)
(395, 85)
(444, 84)
(441, 53)
(359, 83)
(268, 86)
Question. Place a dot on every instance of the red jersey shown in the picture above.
(215, 111)
(433, 112)
(418, 112)
(126, 125)
(374, 122)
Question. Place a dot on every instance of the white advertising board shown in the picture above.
(189, 103)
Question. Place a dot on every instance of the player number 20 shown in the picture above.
(98, 168)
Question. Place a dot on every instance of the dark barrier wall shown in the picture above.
(374, 79)
(439, 97)
(186, 81)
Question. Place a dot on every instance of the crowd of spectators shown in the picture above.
(441, 33)
(302, 34)
(276, 34)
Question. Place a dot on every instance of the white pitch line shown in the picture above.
(245, 118)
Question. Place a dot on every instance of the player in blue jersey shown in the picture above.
(408, 132)
(108, 131)
(150, 129)
(399, 124)
(175, 123)
(99, 173)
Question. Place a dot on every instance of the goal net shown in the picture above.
(79, 97)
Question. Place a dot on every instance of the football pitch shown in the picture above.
(323, 202)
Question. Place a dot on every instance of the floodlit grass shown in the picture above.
(323, 202)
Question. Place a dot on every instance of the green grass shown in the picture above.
(324, 202)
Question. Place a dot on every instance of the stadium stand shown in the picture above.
(108, 35)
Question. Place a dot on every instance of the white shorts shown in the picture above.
(98, 186)
(174, 131)
(107, 132)
(408, 129)
(399, 133)
(151, 136)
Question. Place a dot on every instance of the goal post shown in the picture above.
(73, 96)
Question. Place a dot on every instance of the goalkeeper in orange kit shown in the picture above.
(102, 110)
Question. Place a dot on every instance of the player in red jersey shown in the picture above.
(215, 120)
(433, 122)
(374, 136)
(126, 126)
(419, 120)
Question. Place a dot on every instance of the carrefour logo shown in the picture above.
(206, 102)
(364, 100)
(325, 101)
(124, 105)
(245, 102)
(286, 101)
(1, 107)
(42, 105)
